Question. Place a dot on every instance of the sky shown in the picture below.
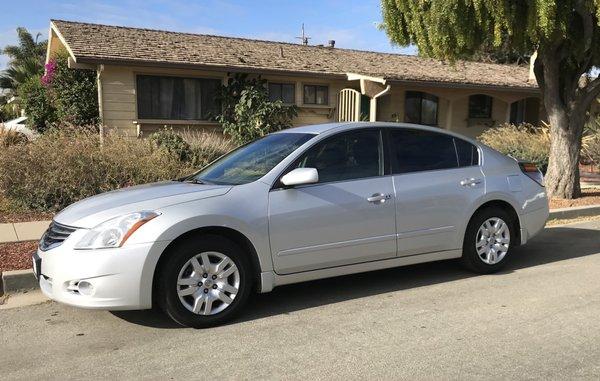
(351, 23)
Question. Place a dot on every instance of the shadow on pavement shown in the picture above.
(551, 245)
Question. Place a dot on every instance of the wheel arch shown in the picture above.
(234, 235)
(506, 206)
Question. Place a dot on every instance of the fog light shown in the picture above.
(85, 288)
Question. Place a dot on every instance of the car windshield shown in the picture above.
(251, 161)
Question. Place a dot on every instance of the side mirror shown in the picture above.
(300, 176)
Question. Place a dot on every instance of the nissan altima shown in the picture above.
(300, 204)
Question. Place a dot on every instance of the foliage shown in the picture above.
(64, 95)
(64, 166)
(172, 142)
(26, 60)
(36, 102)
(74, 92)
(524, 142)
(564, 34)
(206, 147)
(590, 148)
(10, 138)
(248, 113)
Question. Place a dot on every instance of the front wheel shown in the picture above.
(204, 283)
(487, 242)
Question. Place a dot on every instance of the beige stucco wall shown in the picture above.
(453, 107)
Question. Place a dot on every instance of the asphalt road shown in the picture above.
(539, 319)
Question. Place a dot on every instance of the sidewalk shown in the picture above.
(22, 231)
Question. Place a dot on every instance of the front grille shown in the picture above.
(55, 235)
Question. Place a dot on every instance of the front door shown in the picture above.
(347, 217)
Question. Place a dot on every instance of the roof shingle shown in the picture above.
(97, 43)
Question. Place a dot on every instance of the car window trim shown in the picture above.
(382, 152)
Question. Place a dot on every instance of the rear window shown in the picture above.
(467, 153)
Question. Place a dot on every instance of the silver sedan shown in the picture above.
(301, 204)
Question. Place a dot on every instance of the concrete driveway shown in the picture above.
(538, 319)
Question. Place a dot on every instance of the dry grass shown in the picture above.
(524, 142)
(62, 167)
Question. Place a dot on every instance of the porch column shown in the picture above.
(373, 110)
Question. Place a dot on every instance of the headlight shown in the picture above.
(114, 232)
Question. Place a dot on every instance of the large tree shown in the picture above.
(565, 34)
(26, 60)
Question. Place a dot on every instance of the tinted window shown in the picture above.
(177, 98)
(416, 150)
(480, 106)
(346, 156)
(252, 161)
(467, 153)
(420, 108)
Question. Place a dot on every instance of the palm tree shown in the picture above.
(26, 60)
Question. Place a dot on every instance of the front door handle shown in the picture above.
(379, 198)
(470, 182)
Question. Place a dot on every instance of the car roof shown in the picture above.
(343, 126)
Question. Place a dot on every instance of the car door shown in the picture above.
(347, 217)
(436, 178)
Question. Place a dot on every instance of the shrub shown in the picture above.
(524, 142)
(206, 147)
(64, 166)
(248, 113)
(74, 92)
(172, 142)
(38, 106)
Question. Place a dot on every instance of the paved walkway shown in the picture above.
(22, 231)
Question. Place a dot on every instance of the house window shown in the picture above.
(420, 108)
(176, 98)
(480, 106)
(285, 92)
(316, 95)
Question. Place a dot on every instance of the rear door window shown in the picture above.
(419, 150)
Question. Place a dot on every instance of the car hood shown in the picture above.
(94, 210)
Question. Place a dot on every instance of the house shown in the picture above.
(151, 78)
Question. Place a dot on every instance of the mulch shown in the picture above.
(588, 197)
(17, 255)
(24, 217)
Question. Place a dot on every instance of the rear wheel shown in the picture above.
(487, 242)
(204, 283)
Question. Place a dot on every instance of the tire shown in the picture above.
(185, 288)
(484, 261)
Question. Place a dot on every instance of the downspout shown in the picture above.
(99, 71)
(373, 105)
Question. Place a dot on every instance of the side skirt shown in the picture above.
(269, 279)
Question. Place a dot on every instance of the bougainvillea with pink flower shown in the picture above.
(50, 70)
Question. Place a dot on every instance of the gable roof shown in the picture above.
(94, 43)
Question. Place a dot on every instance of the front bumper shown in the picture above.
(113, 279)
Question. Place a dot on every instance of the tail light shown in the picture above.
(532, 171)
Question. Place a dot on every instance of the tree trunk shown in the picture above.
(562, 177)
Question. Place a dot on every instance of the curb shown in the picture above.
(575, 212)
(22, 231)
(18, 280)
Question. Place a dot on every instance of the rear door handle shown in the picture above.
(379, 198)
(470, 182)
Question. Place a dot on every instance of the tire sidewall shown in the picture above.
(470, 257)
(178, 256)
